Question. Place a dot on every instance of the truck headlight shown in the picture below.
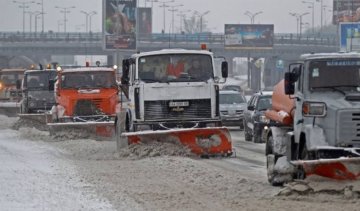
(264, 119)
(314, 109)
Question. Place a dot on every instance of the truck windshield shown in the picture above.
(78, 80)
(10, 78)
(39, 80)
(342, 74)
(175, 68)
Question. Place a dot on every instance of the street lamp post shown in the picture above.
(252, 15)
(23, 5)
(313, 12)
(59, 23)
(321, 14)
(64, 10)
(173, 10)
(201, 15)
(36, 18)
(30, 20)
(301, 23)
(42, 14)
(182, 18)
(164, 6)
(90, 16)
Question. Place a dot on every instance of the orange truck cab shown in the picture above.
(88, 94)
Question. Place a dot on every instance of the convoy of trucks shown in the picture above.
(172, 95)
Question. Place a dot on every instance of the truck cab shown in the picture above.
(85, 94)
(38, 94)
(319, 100)
(172, 88)
(10, 80)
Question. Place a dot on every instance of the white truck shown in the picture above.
(174, 93)
(317, 113)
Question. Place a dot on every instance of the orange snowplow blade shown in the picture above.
(339, 169)
(201, 141)
(100, 129)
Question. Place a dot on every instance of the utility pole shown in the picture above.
(64, 10)
(24, 5)
(252, 15)
(201, 15)
(173, 10)
(164, 6)
(313, 12)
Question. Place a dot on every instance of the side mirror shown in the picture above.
(224, 69)
(289, 83)
(125, 74)
(51, 85)
(250, 108)
(18, 84)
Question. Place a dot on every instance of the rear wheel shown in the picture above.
(121, 142)
(270, 163)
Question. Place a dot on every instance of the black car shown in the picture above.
(254, 118)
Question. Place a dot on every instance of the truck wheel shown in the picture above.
(270, 163)
(121, 142)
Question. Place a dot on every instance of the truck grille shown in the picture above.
(348, 126)
(158, 110)
(84, 107)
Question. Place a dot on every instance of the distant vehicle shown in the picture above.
(232, 106)
(232, 87)
(37, 97)
(254, 116)
(10, 90)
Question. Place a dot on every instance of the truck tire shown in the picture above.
(121, 142)
(270, 164)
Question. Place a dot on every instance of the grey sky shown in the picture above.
(221, 12)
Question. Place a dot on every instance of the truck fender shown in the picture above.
(315, 137)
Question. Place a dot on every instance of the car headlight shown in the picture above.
(264, 119)
(314, 109)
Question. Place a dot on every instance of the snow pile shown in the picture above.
(6, 122)
(71, 134)
(316, 185)
(27, 123)
(154, 149)
(34, 134)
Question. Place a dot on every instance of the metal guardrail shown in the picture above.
(51, 37)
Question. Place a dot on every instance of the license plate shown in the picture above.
(179, 104)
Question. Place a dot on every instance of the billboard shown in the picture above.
(249, 36)
(346, 11)
(144, 20)
(119, 24)
(349, 36)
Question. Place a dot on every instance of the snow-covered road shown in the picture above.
(38, 173)
(35, 176)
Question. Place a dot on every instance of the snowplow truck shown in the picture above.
(38, 95)
(10, 91)
(317, 111)
(173, 96)
(86, 99)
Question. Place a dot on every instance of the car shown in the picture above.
(254, 115)
(232, 106)
(232, 87)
